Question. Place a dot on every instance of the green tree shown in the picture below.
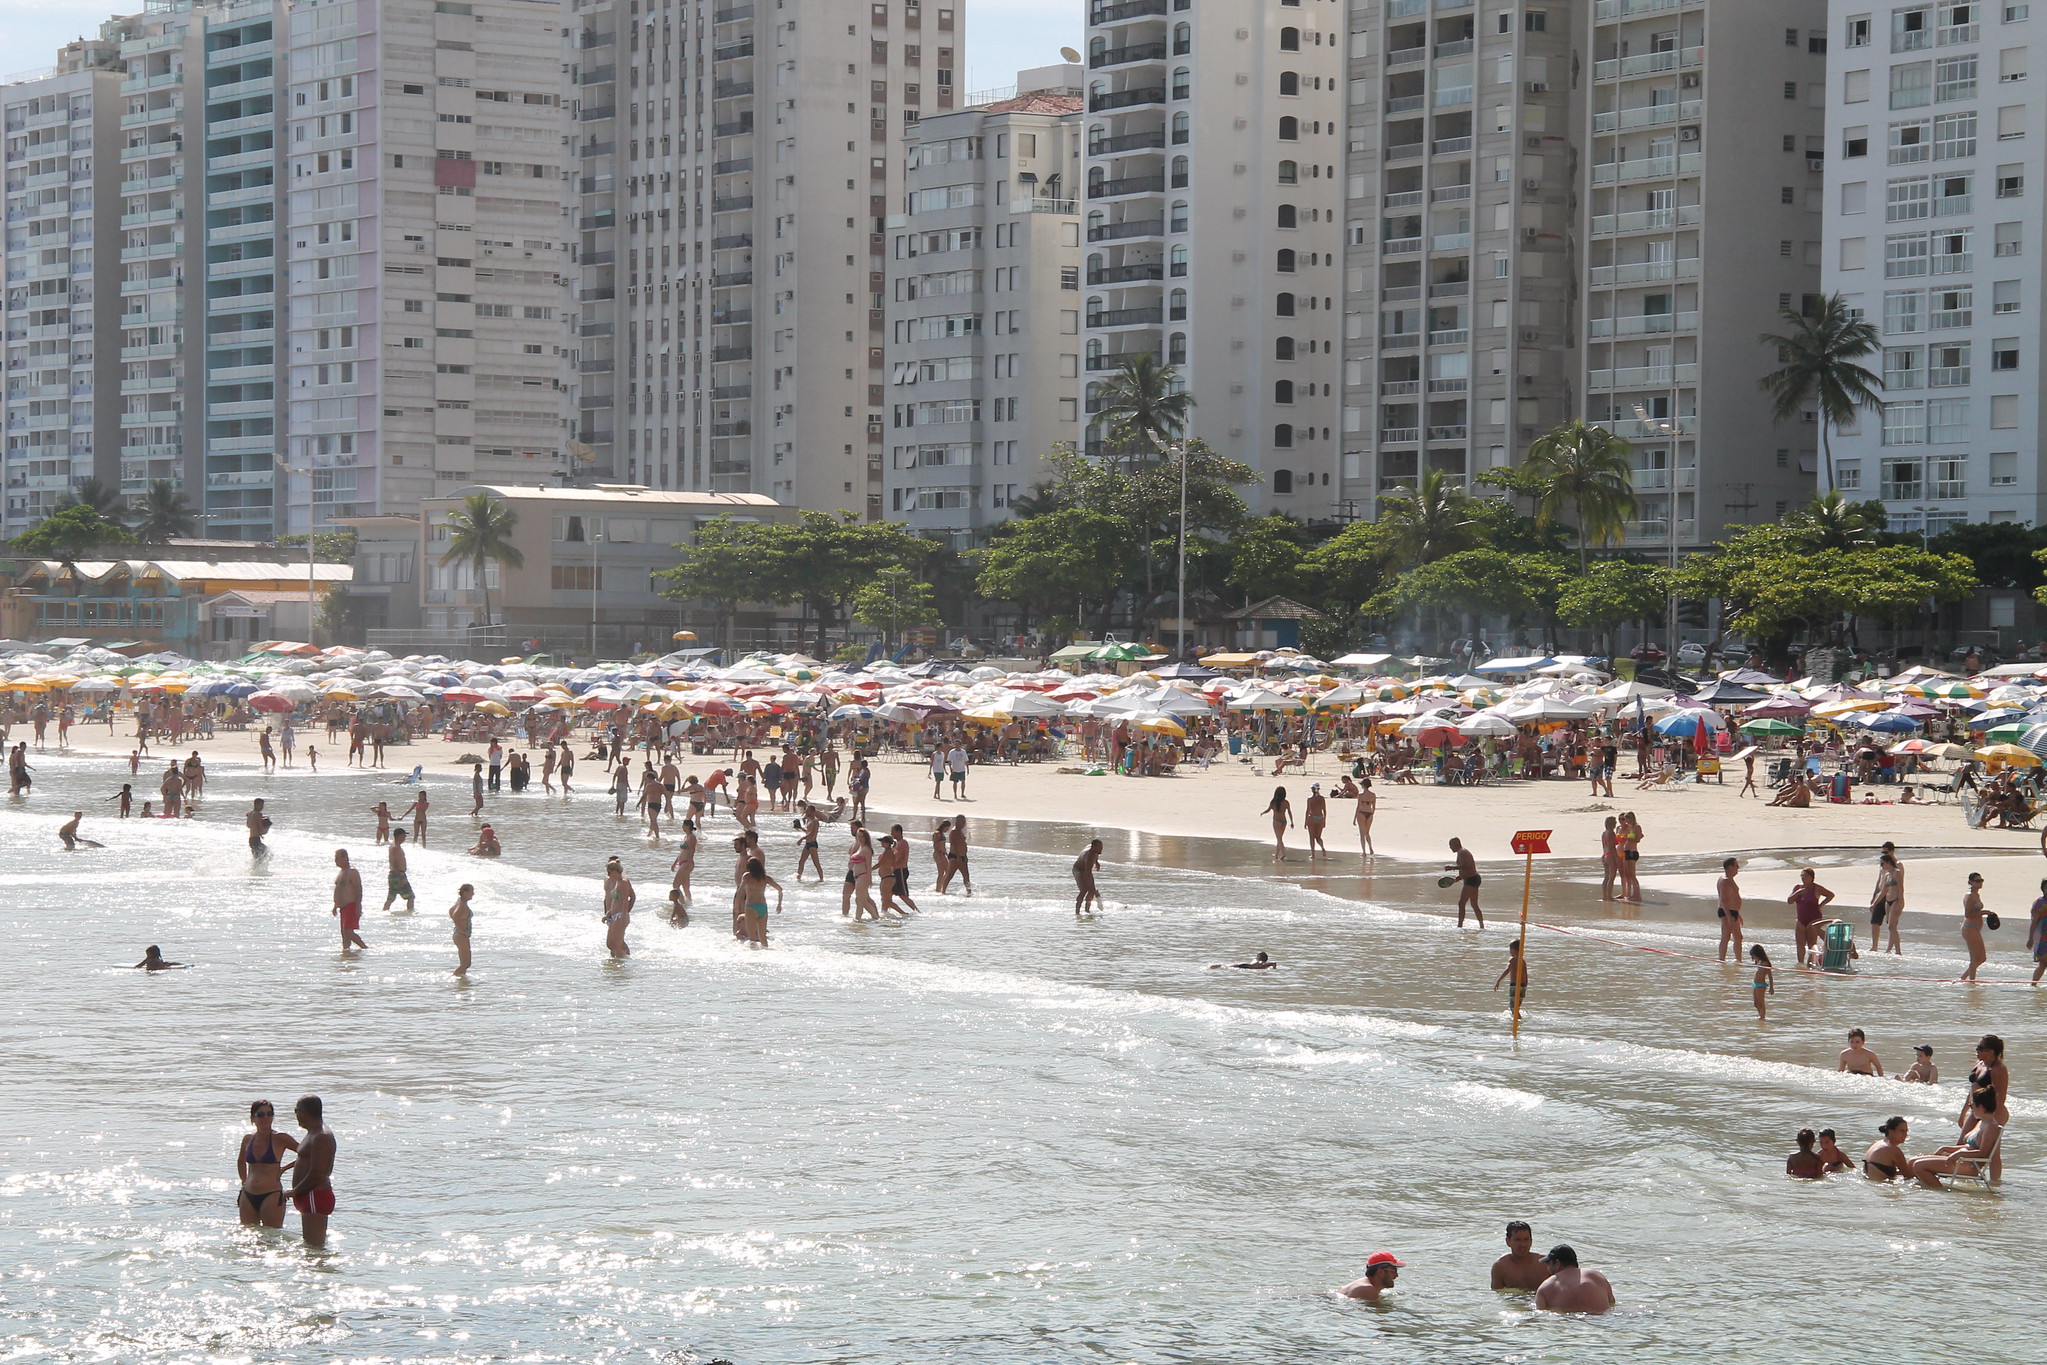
(479, 531)
(69, 532)
(1611, 593)
(1265, 558)
(1584, 468)
(893, 602)
(165, 514)
(1831, 522)
(1430, 521)
(1142, 407)
(722, 565)
(1073, 559)
(1346, 571)
(1477, 583)
(96, 493)
(329, 547)
(1818, 367)
(1773, 585)
(2005, 553)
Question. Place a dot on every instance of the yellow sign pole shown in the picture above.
(1527, 885)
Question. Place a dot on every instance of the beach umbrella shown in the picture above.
(1957, 691)
(1833, 710)
(2009, 755)
(852, 713)
(1886, 723)
(1770, 726)
(270, 701)
(2034, 737)
(1162, 725)
(1983, 720)
(1915, 746)
(1191, 672)
(1687, 724)
(1486, 725)
(1749, 677)
(1722, 692)
(493, 707)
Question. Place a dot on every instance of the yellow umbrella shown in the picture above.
(1163, 725)
(689, 635)
(2009, 755)
(1853, 704)
(340, 692)
(28, 685)
(986, 715)
(494, 708)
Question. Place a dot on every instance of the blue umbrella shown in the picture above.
(853, 713)
(1983, 720)
(1687, 723)
(1887, 722)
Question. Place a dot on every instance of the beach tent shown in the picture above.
(1521, 665)
(1722, 692)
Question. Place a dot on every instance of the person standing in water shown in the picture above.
(259, 1169)
(618, 907)
(1972, 926)
(1466, 870)
(1729, 893)
(1084, 869)
(753, 894)
(1517, 969)
(1368, 806)
(1282, 812)
(1520, 1268)
(476, 788)
(258, 825)
(418, 813)
(2036, 935)
(312, 1188)
(1806, 899)
(809, 856)
(396, 883)
(686, 860)
(1609, 855)
(348, 901)
(899, 868)
(1765, 982)
(956, 856)
(1571, 1290)
(382, 810)
(461, 915)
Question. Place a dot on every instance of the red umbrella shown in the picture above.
(270, 701)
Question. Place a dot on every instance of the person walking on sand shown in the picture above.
(1517, 968)
(1314, 816)
(1085, 867)
(1765, 982)
(1729, 893)
(1466, 871)
(312, 1189)
(618, 907)
(938, 772)
(348, 901)
(1368, 806)
(1282, 812)
(1972, 926)
(461, 914)
(1806, 899)
(396, 883)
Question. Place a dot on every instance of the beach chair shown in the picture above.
(1973, 1171)
(1837, 947)
(1684, 780)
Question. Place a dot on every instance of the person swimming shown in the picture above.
(153, 961)
(1257, 964)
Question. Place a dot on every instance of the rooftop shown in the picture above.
(617, 493)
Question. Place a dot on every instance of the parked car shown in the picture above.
(1647, 652)
(1691, 654)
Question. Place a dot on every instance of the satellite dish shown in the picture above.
(1069, 54)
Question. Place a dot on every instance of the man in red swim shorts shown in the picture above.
(310, 1189)
(348, 901)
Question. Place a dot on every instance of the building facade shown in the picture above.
(60, 308)
(1213, 224)
(1933, 233)
(984, 306)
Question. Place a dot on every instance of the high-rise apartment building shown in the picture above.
(1702, 223)
(741, 160)
(429, 319)
(984, 305)
(1462, 270)
(1934, 229)
(1213, 223)
(1529, 224)
(60, 309)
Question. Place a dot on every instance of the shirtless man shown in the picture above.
(1382, 1268)
(1857, 1059)
(900, 867)
(1466, 868)
(1084, 869)
(68, 832)
(348, 901)
(1520, 1268)
(1261, 963)
(258, 825)
(1730, 909)
(671, 780)
(619, 897)
(311, 1187)
(396, 883)
(956, 856)
(1569, 1289)
(1368, 806)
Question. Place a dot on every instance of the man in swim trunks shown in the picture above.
(1381, 1270)
(68, 831)
(1729, 893)
(1520, 1268)
(1516, 970)
(396, 884)
(1466, 868)
(1857, 1059)
(258, 825)
(348, 901)
(311, 1189)
(1569, 1289)
(1084, 869)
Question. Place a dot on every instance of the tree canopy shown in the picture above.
(69, 532)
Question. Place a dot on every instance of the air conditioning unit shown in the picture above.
(1816, 164)
(1531, 185)
(1538, 87)
(1689, 80)
(1534, 144)
(1531, 234)
(1809, 416)
(1529, 336)
(1688, 135)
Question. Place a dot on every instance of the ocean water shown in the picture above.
(989, 1133)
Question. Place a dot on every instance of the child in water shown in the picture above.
(1766, 978)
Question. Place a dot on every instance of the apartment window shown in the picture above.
(1954, 135)
(1952, 308)
(1947, 366)
(1906, 256)
(1858, 31)
(1950, 252)
(1289, 83)
(1904, 368)
(2004, 468)
(1536, 21)
(1910, 142)
(1288, 216)
(1855, 143)
(1183, 83)
(1912, 29)
(1289, 40)
(1911, 85)
(1953, 195)
(2011, 182)
(2010, 239)
(1904, 312)
(2004, 415)
(1954, 78)
(2004, 353)
(1949, 477)
(1176, 218)
(1282, 439)
(1903, 480)
(1289, 129)
(2004, 297)
(1904, 425)
(1907, 200)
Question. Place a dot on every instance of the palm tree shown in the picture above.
(101, 496)
(1831, 522)
(1819, 366)
(165, 513)
(1586, 468)
(1430, 521)
(1142, 405)
(479, 531)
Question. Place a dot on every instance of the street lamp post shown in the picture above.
(894, 578)
(1181, 610)
(596, 539)
(307, 475)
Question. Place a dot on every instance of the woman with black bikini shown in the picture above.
(259, 1167)
(1885, 1159)
(1989, 1073)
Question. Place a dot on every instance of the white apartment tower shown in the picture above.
(741, 160)
(1213, 223)
(1933, 232)
(429, 315)
(1705, 146)
(1462, 272)
(60, 313)
(984, 307)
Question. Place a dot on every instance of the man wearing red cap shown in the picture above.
(1381, 1270)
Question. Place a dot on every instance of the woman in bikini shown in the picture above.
(938, 841)
(1631, 857)
(1282, 812)
(1989, 1073)
(1972, 925)
(859, 876)
(808, 824)
(259, 1167)
(753, 891)
(461, 914)
(1609, 857)
(1765, 982)
(1978, 1147)
(1885, 1159)
(1314, 816)
(685, 860)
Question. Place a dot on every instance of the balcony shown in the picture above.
(1450, 241)
(1129, 184)
(1121, 56)
(1127, 99)
(1648, 63)
(1127, 317)
(1404, 199)
(1644, 324)
(1401, 151)
(736, 128)
(1115, 361)
(1399, 388)
(1406, 104)
(1444, 194)
(1116, 11)
(1450, 289)
(1646, 116)
(1643, 377)
(1646, 168)
(1116, 232)
(1646, 220)
(732, 279)
(1458, 48)
(732, 203)
(1645, 272)
(1451, 336)
(1399, 436)
(731, 90)
(1400, 246)
(1650, 428)
(1607, 10)
(1407, 56)
(1126, 274)
(1447, 146)
(1128, 142)
(1449, 385)
(1449, 433)
(721, 355)
(732, 52)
